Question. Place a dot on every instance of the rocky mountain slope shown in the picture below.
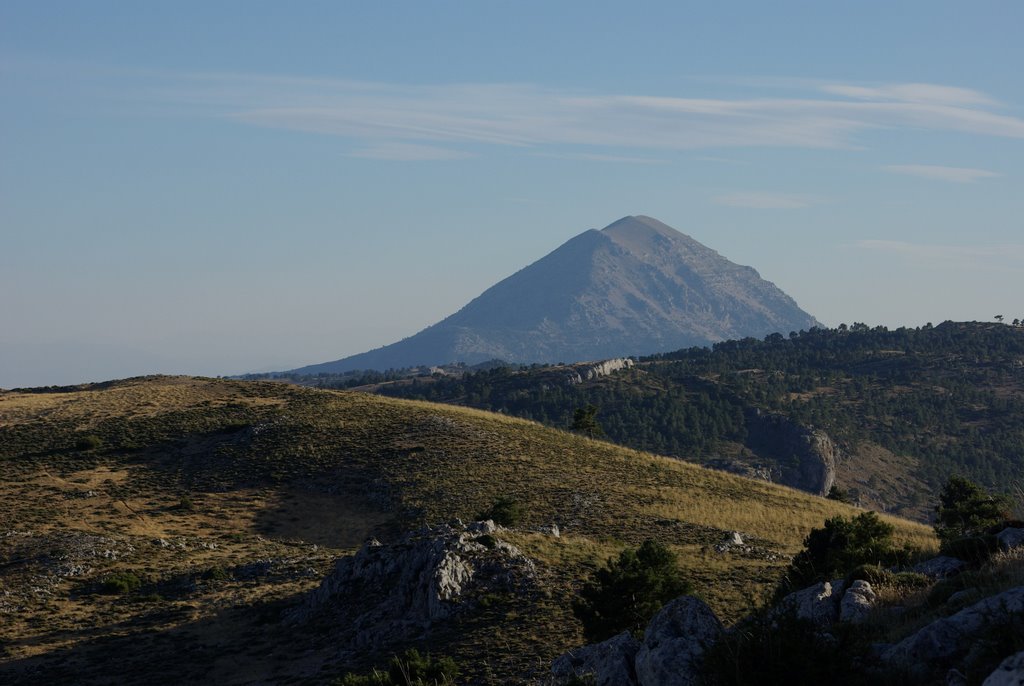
(148, 519)
(633, 288)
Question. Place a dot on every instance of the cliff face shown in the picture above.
(806, 457)
(636, 287)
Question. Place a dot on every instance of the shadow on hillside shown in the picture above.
(232, 646)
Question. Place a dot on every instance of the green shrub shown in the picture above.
(186, 504)
(90, 442)
(974, 550)
(778, 650)
(876, 575)
(487, 541)
(504, 512)
(216, 573)
(839, 494)
(840, 546)
(120, 583)
(966, 509)
(409, 669)
(945, 588)
(626, 594)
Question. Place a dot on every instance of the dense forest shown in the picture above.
(951, 396)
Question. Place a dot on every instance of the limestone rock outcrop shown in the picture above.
(857, 602)
(675, 642)
(670, 654)
(595, 370)
(942, 643)
(1009, 673)
(807, 457)
(609, 663)
(387, 593)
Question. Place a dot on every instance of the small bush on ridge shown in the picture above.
(626, 593)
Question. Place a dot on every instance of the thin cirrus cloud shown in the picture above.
(940, 173)
(384, 114)
(409, 152)
(766, 201)
(1003, 257)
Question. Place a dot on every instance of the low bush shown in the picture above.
(504, 512)
(840, 546)
(216, 573)
(90, 442)
(975, 550)
(410, 669)
(626, 593)
(965, 509)
(120, 583)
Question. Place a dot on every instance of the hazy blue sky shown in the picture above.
(219, 187)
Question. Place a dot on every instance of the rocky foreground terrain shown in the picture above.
(180, 530)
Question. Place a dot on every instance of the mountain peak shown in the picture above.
(636, 287)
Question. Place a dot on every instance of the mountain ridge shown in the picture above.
(636, 287)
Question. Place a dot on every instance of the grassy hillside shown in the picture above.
(908, 407)
(226, 500)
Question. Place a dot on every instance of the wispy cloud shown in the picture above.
(810, 115)
(1006, 256)
(408, 152)
(766, 201)
(596, 157)
(913, 92)
(952, 174)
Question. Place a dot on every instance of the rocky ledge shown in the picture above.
(396, 592)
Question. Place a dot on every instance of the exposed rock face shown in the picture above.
(941, 567)
(675, 642)
(386, 593)
(671, 653)
(1009, 673)
(636, 287)
(857, 602)
(942, 643)
(595, 370)
(815, 604)
(609, 663)
(807, 457)
(1010, 538)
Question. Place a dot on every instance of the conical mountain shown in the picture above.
(635, 287)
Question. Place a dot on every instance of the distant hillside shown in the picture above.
(635, 287)
(902, 410)
(148, 519)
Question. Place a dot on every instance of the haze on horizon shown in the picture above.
(248, 187)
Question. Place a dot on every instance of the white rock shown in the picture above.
(609, 663)
(815, 604)
(1009, 673)
(1010, 538)
(675, 642)
(857, 602)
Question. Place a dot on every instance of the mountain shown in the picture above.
(635, 287)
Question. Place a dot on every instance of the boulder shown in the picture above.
(815, 604)
(1009, 673)
(674, 643)
(857, 602)
(1010, 538)
(387, 593)
(941, 644)
(609, 663)
(941, 567)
